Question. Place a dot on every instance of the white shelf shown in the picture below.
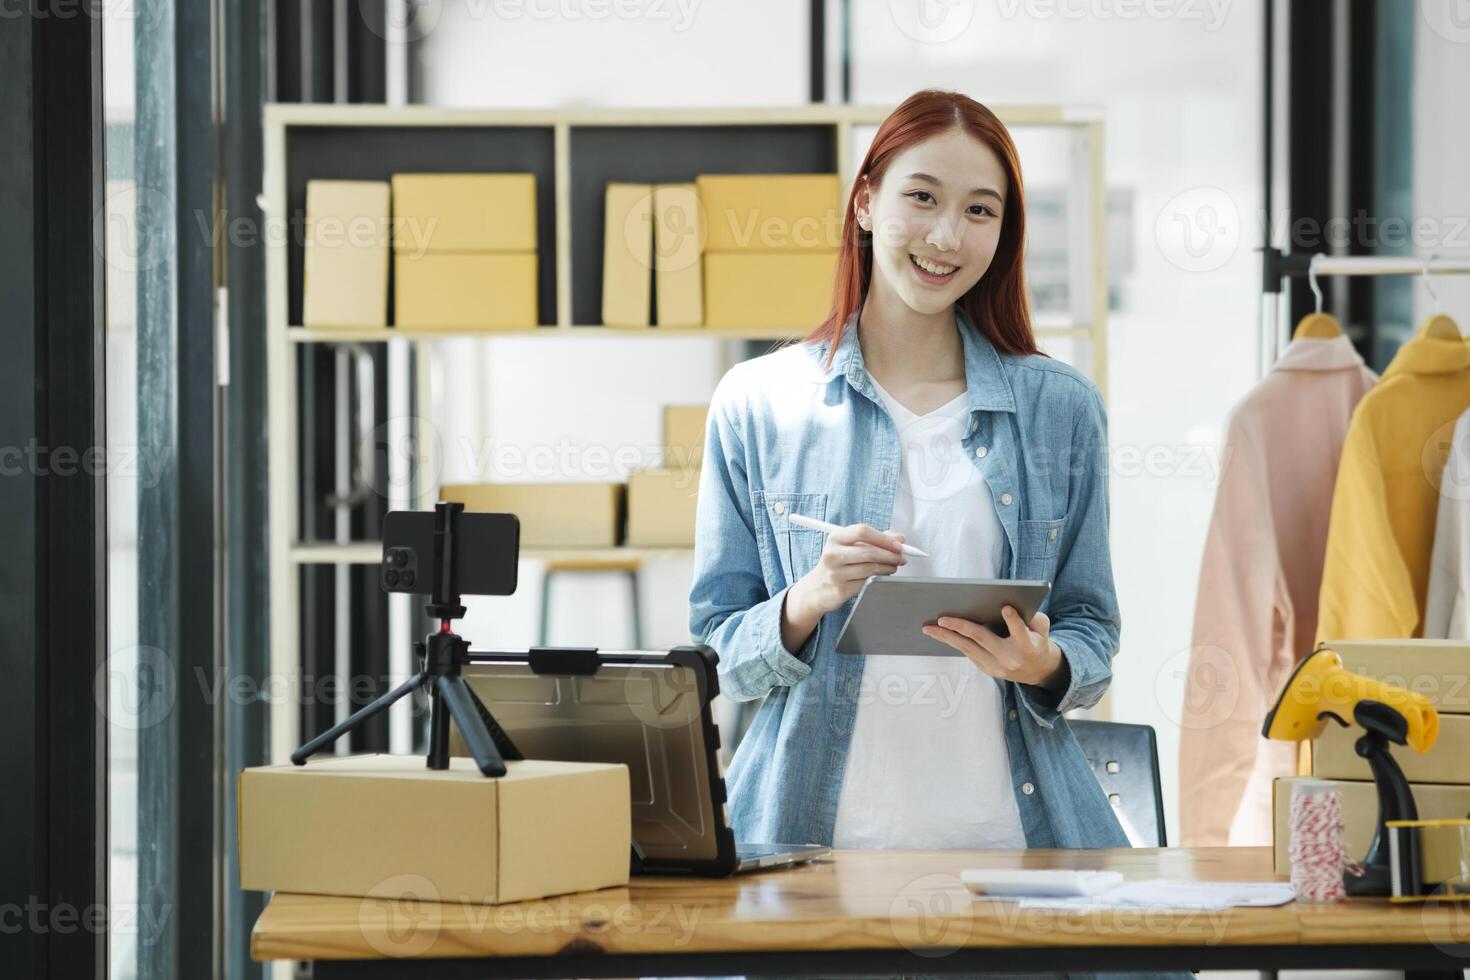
(1084, 321)
(1045, 326)
(343, 335)
(371, 552)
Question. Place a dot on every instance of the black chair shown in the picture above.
(1125, 759)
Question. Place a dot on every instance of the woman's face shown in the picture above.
(935, 219)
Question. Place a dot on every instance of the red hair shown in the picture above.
(997, 304)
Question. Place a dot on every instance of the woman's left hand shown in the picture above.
(1028, 656)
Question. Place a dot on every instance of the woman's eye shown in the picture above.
(982, 210)
(923, 197)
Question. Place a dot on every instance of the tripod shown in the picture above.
(442, 655)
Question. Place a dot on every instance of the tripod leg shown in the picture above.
(454, 694)
(331, 735)
(503, 744)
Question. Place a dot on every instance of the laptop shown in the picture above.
(648, 710)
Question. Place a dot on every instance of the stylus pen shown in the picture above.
(801, 520)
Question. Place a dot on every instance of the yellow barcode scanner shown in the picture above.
(1321, 688)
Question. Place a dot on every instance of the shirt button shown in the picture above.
(1011, 714)
(980, 452)
(1006, 499)
(780, 508)
(1027, 788)
(1051, 535)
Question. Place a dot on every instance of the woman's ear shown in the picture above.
(862, 205)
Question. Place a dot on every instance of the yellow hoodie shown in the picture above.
(1381, 534)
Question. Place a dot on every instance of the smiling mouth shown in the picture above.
(931, 271)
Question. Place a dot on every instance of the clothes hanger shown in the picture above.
(1437, 326)
(1319, 325)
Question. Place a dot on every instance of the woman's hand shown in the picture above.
(849, 556)
(1028, 656)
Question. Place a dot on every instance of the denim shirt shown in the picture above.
(788, 434)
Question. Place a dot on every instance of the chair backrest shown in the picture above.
(1125, 759)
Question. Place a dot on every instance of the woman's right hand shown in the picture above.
(850, 555)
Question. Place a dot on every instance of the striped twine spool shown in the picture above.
(1316, 850)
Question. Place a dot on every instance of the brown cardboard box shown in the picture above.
(345, 276)
(1447, 761)
(552, 515)
(1360, 813)
(771, 212)
(378, 825)
(1437, 669)
(677, 247)
(465, 290)
(627, 255)
(684, 435)
(464, 213)
(661, 507)
(767, 289)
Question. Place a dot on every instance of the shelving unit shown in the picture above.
(574, 153)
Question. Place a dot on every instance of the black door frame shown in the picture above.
(53, 739)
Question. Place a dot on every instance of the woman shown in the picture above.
(921, 405)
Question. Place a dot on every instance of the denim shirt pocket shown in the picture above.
(1037, 545)
(796, 549)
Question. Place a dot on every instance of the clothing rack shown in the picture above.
(1278, 266)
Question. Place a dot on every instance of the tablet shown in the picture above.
(892, 610)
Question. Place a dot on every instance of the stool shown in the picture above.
(590, 566)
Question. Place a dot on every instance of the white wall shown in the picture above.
(1181, 104)
(1442, 148)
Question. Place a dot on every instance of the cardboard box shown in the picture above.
(553, 515)
(345, 275)
(677, 249)
(768, 289)
(627, 256)
(435, 213)
(1360, 813)
(1437, 669)
(1448, 761)
(378, 825)
(465, 290)
(661, 507)
(684, 427)
(771, 212)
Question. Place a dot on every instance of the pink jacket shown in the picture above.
(1262, 569)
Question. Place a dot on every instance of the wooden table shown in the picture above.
(860, 912)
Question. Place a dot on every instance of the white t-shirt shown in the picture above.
(927, 767)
